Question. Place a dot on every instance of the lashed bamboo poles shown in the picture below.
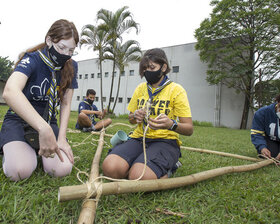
(221, 153)
(80, 191)
(88, 211)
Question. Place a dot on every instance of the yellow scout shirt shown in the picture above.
(172, 101)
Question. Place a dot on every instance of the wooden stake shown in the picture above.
(88, 211)
(80, 191)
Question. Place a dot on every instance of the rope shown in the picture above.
(275, 161)
(97, 185)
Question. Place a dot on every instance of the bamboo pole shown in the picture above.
(69, 130)
(221, 153)
(98, 133)
(80, 191)
(88, 211)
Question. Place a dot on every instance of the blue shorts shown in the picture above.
(162, 154)
(12, 130)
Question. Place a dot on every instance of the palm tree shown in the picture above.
(123, 55)
(97, 39)
(115, 24)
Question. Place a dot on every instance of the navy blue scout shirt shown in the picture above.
(37, 87)
(84, 105)
(36, 91)
(265, 124)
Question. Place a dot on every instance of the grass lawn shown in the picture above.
(249, 197)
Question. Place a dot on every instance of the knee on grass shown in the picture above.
(61, 169)
(114, 168)
(18, 172)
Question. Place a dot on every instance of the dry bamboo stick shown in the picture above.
(88, 211)
(93, 132)
(221, 153)
(98, 133)
(123, 124)
(80, 191)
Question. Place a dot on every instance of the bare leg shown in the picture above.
(20, 160)
(137, 169)
(114, 166)
(103, 123)
(84, 120)
(56, 168)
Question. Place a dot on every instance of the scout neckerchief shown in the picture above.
(53, 87)
(165, 82)
(92, 115)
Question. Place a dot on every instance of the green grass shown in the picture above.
(249, 197)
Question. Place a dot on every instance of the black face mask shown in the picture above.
(58, 59)
(90, 101)
(153, 77)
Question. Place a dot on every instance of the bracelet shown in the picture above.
(174, 126)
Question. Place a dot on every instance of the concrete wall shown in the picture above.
(216, 104)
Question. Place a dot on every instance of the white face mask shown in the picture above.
(278, 114)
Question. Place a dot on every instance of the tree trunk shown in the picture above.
(112, 85)
(117, 95)
(246, 108)
(101, 85)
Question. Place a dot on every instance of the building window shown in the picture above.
(92, 75)
(104, 98)
(131, 72)
(78, 98)
(120, 99)
(128, 99)
(115, 74)
(112, 99)
(106, 74)
(96, 99)
(98, 75)
(86, 76)
(84, 97)
(80, 76)
(123, 73)
(175, 69)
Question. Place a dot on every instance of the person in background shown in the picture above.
(88, 111)
(161, 104)
(265, 131)
(44, 76)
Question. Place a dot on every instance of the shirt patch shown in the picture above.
(39, 92)
(25, 61)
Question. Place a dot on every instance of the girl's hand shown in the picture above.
(48, 145)
(139, 115)
(66, 148)
(161, 122)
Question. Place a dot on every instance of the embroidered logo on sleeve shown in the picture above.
(23, 62)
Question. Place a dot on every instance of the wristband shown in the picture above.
(174, 125)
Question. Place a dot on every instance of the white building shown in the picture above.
(216, 104)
